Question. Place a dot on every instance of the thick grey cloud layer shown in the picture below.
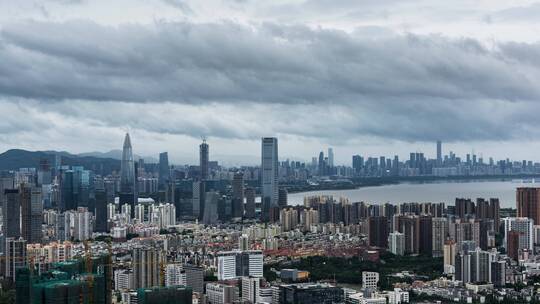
(261, 73)
(193, 63)
(404, 87)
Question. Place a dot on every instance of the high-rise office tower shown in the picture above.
(250, 203)
(330, 157)
(439, 153)
(204, 168)
(204, 159)
(322, 164)
(196, 200)
(100, 211)
(11, 207)
(211, 208)
(44, 173)
(528, 203)
(282, 197)
(238, 195)
(31, 213)
(164, 172)
(128, 193)
(357, 163)
(269, 167)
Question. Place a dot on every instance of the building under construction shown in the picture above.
(83, 281)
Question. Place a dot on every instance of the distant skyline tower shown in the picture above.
(204, 159)
(128, 194)
(238, 194)
(439, 152)
(330, 157)
(164, 172)
(269, 166)
(321, 163)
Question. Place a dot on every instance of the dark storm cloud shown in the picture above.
(271, 63)
(306, 82)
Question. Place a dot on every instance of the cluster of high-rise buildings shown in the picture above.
(418, 164)
(150, 233)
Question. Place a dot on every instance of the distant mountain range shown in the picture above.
(117, 154)
(16, 158)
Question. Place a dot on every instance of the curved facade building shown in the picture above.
(128, 193)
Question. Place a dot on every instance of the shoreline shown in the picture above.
(357, 183)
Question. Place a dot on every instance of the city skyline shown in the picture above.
(359, 77)
(269, 152)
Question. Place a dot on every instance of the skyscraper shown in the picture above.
(210, 215)
(378, 231)
(146, 267)
(409, 225)
(238, 194)
(528, 203)
(322, 164)
(128, 194)
(31, 213)
(439, 153)
(164, 173)
(12, 205)
(269, 166)
(250, 203)
(522, 225)
(100, 211)
(14, 256)
(439, 231)
(282, 197)
(396, 243)
(330, 157)
(204, 159)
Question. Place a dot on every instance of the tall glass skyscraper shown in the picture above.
(128, 193)
(127, 169)
(164, 171)
(269, 166)
(204, 158)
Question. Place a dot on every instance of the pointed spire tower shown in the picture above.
(128, 194)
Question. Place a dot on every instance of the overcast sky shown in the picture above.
(368, 77)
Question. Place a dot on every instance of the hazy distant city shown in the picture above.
(269, 152)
